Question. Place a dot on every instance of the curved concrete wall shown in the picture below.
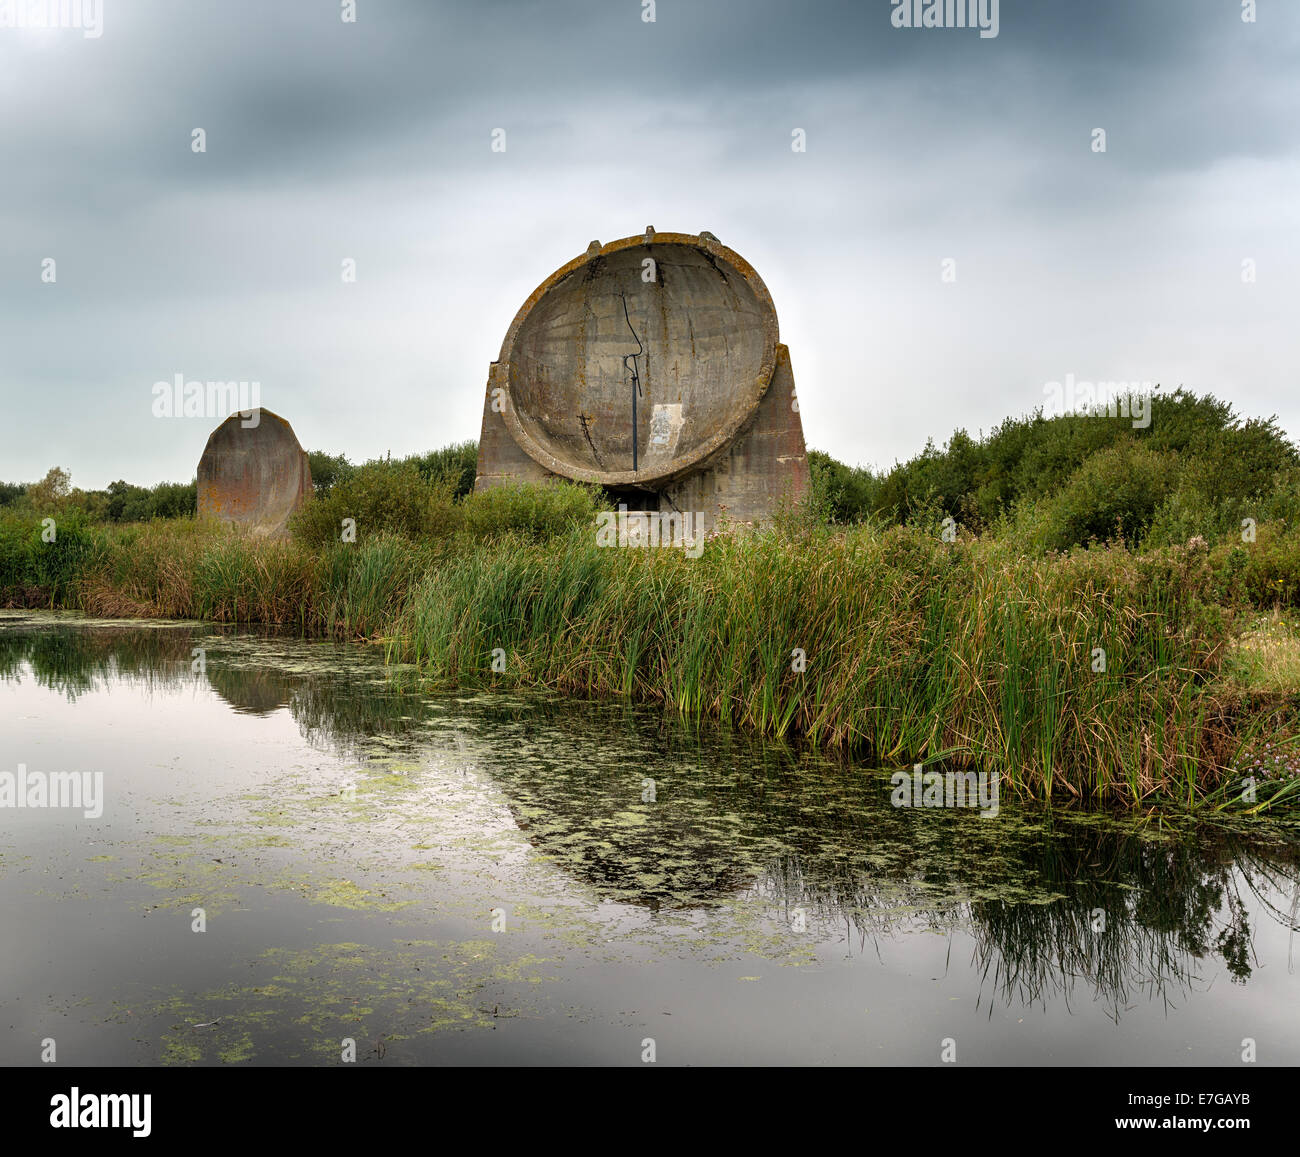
(704, 331)
(253, 475)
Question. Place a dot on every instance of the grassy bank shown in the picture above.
(1103, 675)
(1099, 675)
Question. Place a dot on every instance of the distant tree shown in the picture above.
(119, 493)
(842, 493)
(327, 469)
(50, 490)
(128, 503)
(173, 500)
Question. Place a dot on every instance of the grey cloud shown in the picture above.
(326, 141)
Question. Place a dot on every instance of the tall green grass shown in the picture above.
(1093, 675)
(912, 649)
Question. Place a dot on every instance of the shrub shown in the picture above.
(56, 565)
(174, 500)
(327, 469)
(840, 493)
(531, 511)
(457, 464)
(382, 497)
(1271, 570)
(14, 554)
(124, 502)
(1113, 496)
(1025, 460)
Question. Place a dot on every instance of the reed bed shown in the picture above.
(1088, 675)
(188, 570)
(1094, 675)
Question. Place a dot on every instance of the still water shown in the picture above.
(299, 847)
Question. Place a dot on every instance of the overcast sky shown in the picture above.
(372, 140)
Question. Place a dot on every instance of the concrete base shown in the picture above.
(745, 483)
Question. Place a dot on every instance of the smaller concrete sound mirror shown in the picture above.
(253, 473)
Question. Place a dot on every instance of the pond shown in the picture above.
(297, 847)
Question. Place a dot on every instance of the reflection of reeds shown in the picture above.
(1103, 909)
(1101, 935)
(739, 816)
(193, 570)
(805, 833)
(75, 660)
(343, 713)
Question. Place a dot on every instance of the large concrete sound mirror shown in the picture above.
(651, 366)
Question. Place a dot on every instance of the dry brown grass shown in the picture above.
(1266, 658)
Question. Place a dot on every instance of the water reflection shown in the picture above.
(642, 811)
(252, 692)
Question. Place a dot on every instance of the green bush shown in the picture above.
(1188, 514)
(1113, 496)
(14, 553)
(457, 464)
(381, 497)
(127, 503)
(51, 569)
(1271, 573)
(327, 469)
(174, 500)
(1023, 461)
(55, 566)
(840, 493)
(531, 511)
